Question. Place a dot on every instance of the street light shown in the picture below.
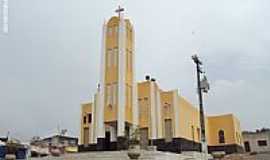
(203, 85)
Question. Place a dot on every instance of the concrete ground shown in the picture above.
(259, 156)
(122, 155)
(149, 156)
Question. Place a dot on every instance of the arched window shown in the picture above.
(221, 136)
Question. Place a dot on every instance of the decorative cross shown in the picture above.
(119, 10)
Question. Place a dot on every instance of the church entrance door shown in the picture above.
(86, 136)
(107, 140)
(144, 138)
(168, 130)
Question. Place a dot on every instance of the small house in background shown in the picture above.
(57, 140)
(4, 139)
(258, 141)
(60, 142)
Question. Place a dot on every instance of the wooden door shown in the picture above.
(247, 146)
(86, 136)
(144, 138)
(168, 130)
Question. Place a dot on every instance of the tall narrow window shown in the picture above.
(116, 30)
(130, 63)
(127, 60)
(115, 56)
(130, 96)
(109, 31)
(84, 119)
(109, 58)
(127, 97)
(89, 118)
(221, 136)
(114, 92)
(127, 34)
(108, 93)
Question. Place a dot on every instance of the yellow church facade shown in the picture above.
(165, 118)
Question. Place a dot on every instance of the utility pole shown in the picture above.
(203, 85)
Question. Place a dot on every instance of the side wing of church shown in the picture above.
(165, 118)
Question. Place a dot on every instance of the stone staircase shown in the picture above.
(122, 155)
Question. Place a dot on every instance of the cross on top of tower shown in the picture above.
(119, 10)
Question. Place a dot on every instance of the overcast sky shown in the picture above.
(50, 58)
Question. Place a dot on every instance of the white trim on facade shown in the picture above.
(153, 111)
(158, 116)
(121, 78)
(94, 117)
(100, 106)
(135, 110)
(92, 125)
(176, 114)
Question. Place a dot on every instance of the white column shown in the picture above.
(158, 116)
(100, 106)
(134, 85)
(92, 124)
(176, 113)
(81, 138)
(94, 117)
(153, 111)
(121, 78)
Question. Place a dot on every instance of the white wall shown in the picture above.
(253, 139)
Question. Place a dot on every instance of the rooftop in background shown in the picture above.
(3, 139)
(60, 136)
(263, 130)
(55, 140)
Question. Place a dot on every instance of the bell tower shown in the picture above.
(117, 111)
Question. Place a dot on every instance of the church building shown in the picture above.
(165, 118)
